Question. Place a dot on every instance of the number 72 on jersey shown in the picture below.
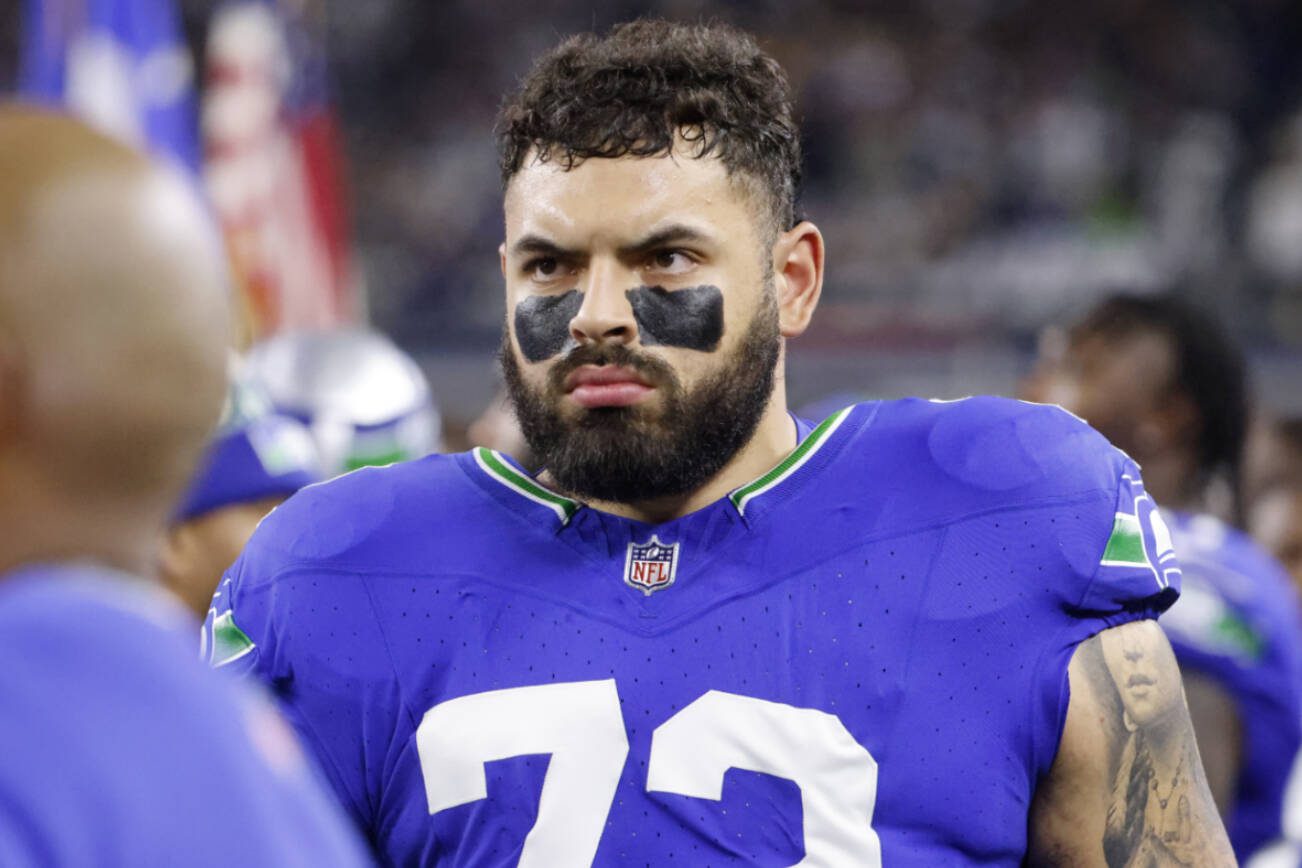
(580, 725)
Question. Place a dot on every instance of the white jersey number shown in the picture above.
(580, 725)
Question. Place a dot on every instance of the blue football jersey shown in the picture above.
(1238, 625)
(122, 749)
(859, 657)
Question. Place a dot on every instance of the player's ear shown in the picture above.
(798, 276)
(501, 257)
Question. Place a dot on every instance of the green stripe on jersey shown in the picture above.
(789, 465)
(494, 465)
(229, 642)
(1126, 545)
(383, 459)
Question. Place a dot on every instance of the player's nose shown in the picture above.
(606, 316)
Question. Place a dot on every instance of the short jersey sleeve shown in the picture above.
(305, 628)
(236, 634)
(1137, 571)
(1079, 527)
(1121, 568)
(1060, 505)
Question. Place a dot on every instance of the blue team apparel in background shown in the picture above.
(122, 750)
(268, 456)
(122, 65)
(859, 658)
(1237, 625)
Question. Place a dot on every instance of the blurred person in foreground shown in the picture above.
(256, 459)
(120, 748)
(1165, 384)
(710, 632)
(365, 401)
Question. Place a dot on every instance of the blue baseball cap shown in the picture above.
(264, 456)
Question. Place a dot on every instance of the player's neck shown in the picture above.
(773, 440)
(41, 526)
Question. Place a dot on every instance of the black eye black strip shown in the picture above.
(690, 318)
(542, 323)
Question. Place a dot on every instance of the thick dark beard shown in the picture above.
(624, 455)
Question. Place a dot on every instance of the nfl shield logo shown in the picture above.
(651, 566)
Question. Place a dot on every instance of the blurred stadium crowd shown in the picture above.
(979, 167)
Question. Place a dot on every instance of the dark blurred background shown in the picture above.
(979, 167)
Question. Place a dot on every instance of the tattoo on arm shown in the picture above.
(1160, 810)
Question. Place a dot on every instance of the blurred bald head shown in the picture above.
(113, 332)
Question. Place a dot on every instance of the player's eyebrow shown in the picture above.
(538, 245)
(676, 233)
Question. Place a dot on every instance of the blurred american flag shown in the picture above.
(274, 167)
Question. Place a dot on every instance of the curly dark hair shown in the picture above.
(633, 91)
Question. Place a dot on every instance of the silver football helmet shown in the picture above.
(365, 401)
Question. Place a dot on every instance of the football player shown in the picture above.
(255, 461)
(1163, 383)
(710, 633)
(120, 748)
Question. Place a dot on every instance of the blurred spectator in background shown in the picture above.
(120, 748)
(365, 401)
(1272, 454)
(1275, 511)
(1164, 383)
(255, 461)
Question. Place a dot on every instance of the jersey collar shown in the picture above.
(503, 470)
(506, 473)
(805, 450)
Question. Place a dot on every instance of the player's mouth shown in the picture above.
(1140, 681)
(593, 386)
